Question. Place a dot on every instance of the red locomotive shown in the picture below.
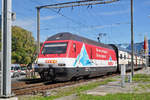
(65, 56)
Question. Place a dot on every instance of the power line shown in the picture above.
(74, 3)
(77, 3)
(94, 15)
(58, 12)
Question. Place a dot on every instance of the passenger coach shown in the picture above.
(124, 58)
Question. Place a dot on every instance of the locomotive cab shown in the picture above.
(56, 59)
(52, 52)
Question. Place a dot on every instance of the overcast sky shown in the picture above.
(112, 19)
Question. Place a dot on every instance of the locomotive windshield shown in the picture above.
(55, 48)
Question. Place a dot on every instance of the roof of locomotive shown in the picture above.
(70, 36)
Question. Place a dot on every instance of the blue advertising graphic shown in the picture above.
(82, 58)
(110, 62)
(110, 59)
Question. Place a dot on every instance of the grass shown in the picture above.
(143, 81)
(119, 96)
(76, 90)
(125, 96)
(144, 86)
(141, 78)
(73, 90)
(31, 77)
(136, 89)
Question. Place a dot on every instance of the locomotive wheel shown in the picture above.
(86, 77)
(48, 75)
(42, 75)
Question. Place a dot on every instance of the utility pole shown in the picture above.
(38, 30)
(6, 49)
(132, 41)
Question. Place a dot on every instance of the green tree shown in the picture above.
(23, 46)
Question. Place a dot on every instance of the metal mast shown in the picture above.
(6, 49)
(38, 30)
(132, 40)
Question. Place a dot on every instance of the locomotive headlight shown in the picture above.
(61, 64)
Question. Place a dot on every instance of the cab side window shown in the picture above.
(74, 47)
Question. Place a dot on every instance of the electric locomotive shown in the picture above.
(66, 56)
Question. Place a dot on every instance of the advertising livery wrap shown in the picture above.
(94, 57)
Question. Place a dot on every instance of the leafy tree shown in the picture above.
(23, 46)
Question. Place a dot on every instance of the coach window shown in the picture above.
(125, 57)
(120, 56)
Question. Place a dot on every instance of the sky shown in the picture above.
(110, 19)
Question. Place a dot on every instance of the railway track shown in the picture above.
(38, 86)
(34, 88)
(26, 82)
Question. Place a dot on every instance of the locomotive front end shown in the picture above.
(52, 59)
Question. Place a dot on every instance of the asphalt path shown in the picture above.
(16, 79)
(13, 80)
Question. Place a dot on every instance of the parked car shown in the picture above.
(17, 70)
(23, 70)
